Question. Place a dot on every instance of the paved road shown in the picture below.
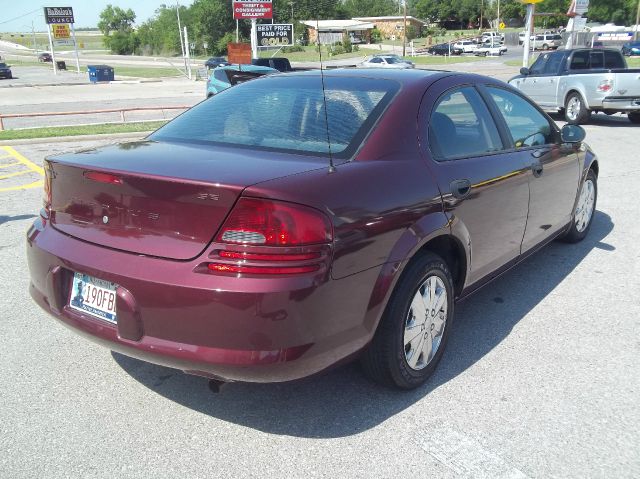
(83, 97)
(541, 377)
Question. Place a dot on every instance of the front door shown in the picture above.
(485, 190)
(555, 172)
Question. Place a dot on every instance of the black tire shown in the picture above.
(545, 47)
(634, 117)
(385, 359)
(577, 232)
(575, 110)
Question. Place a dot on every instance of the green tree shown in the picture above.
(116, 25)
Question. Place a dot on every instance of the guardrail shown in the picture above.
(91, 112)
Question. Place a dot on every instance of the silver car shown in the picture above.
(386, 61)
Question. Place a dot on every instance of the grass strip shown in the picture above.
(79, 130)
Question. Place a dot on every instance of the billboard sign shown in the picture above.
(60, 31)
(274, 35)
(58, 15)
(247, 9)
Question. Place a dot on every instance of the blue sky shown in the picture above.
(86, 12)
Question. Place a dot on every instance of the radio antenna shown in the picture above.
(332, 168)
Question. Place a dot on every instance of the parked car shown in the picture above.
(631, 48)
(224, 77)
(215, 62)
(44, 57)
(5, 71)
(492, 36)
(580, 81)
(443, 49)
(232, 243)
(551, 41)
(490, 48)
(466, 46)
(386, 61)
(278, 63)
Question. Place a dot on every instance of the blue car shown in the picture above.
(631, 48)
(224, 77)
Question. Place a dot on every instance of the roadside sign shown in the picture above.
(61, 30)
(502, 25)
(66, 42)
(248, 9)
(58, 15)
(239, 53)
(274, 34)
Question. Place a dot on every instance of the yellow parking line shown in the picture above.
(29, 164)
(17, 173)
(10, 164)
(35, 184)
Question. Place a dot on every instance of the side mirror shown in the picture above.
(572, 134)
(524, 71)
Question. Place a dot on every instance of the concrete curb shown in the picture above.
(62, 139)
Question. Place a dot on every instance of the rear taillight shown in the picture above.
(46, 194)
(274, 223)
(605, 85)
(264, 237)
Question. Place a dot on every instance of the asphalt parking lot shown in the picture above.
(540, 378)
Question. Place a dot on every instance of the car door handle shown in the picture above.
(537, 169)
(540, 152)
(460, 188)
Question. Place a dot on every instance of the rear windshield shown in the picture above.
(287, 114)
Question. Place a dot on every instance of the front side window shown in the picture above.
(461, 126)
(538, 66)
(552, 67)
(286, 114)
(528, 127)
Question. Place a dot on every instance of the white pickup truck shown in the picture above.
(582, 81)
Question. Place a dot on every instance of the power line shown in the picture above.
(20, 16)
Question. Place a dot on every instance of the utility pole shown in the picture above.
(635, 34)
(184, 59)
(33, 34)
(404, 30)
(293, 23)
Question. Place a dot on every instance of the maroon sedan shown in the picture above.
(290, 223)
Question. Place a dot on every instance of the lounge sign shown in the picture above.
(61, 31)
(247, 9)
(58, 15)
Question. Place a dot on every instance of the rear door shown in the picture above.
(485, 190)
(554, 166)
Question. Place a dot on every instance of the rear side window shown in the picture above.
(528, 127)
(580, 60)
(287, 114)
(460, 126)
(613, 60)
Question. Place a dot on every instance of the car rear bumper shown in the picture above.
(228, 328)
(621, 103)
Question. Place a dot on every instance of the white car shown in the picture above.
(386, 61)
(490, 48)
(466, 46)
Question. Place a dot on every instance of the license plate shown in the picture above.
(94, 297)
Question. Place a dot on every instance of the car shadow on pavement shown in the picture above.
(600, 119)
(342, 402)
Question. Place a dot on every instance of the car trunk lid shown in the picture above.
(158, 199)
